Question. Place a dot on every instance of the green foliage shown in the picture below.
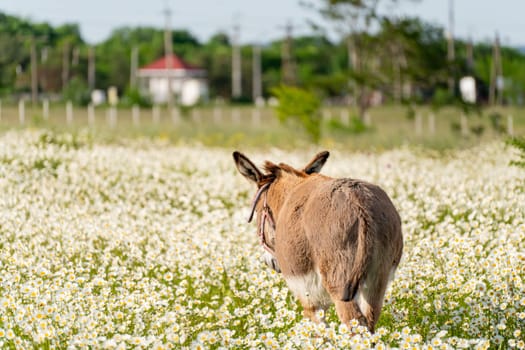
(519, 144)
(441, 98)
(355, 126)
(299, 105)
(134, 97)
(390, 53)
(410, 113)
(77, 92)
(16, 35)
(185, 111)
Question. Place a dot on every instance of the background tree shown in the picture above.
(354, 20)
(216, 58)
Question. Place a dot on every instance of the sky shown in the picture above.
(260, 20)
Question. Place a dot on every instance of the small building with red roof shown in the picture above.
(188, 83)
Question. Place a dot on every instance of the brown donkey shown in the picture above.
(334, 240)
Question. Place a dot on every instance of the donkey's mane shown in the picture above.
(275, 170)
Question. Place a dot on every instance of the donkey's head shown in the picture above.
(272, 187)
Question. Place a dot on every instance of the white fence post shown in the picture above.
(197, 116)
(155, 114)
(256, 116)
(345, 117)
(236, 115)
(419, 124)
(91, 114)
(22, 111)
(69, 112)
(326, 114)
(217, 115)
(45, 109)
(431, 123)
(510, 125)
(368, 119)
(464, 125)
(113, 117)
(175, 115)
(135, 115)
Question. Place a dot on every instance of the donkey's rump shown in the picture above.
(334, 215)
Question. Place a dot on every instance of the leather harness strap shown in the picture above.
(266, 215)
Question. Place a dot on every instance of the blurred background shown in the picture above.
(357, 73)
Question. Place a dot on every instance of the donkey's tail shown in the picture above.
(363, 253)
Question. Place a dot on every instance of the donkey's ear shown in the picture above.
(316, 164)
(246, 167)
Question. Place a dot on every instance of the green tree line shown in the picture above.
(403, 58)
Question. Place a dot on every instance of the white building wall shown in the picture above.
(193, 91)
(189, 90)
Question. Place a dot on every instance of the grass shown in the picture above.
(244, 127)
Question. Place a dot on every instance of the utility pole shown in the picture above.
(75, 58)
(34, 62)
(65, 65)
(91, 68)
(34, 73)
(256, 71)
(168, 52)
(451, 55)
(236, 61)
(470, 56)
(134, 64)
(496, 75)
(354, 65)
(43, 58)
(287, 63)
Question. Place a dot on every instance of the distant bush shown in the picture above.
(299, 105)
(442, 97)
(242, 100)
(77, 92)
(134, 97)
(355, 126)
(410, 113)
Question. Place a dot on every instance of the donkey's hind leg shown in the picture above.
(311, 311)
(348, 311)
(370, 297)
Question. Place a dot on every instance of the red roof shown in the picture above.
(172, 61)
